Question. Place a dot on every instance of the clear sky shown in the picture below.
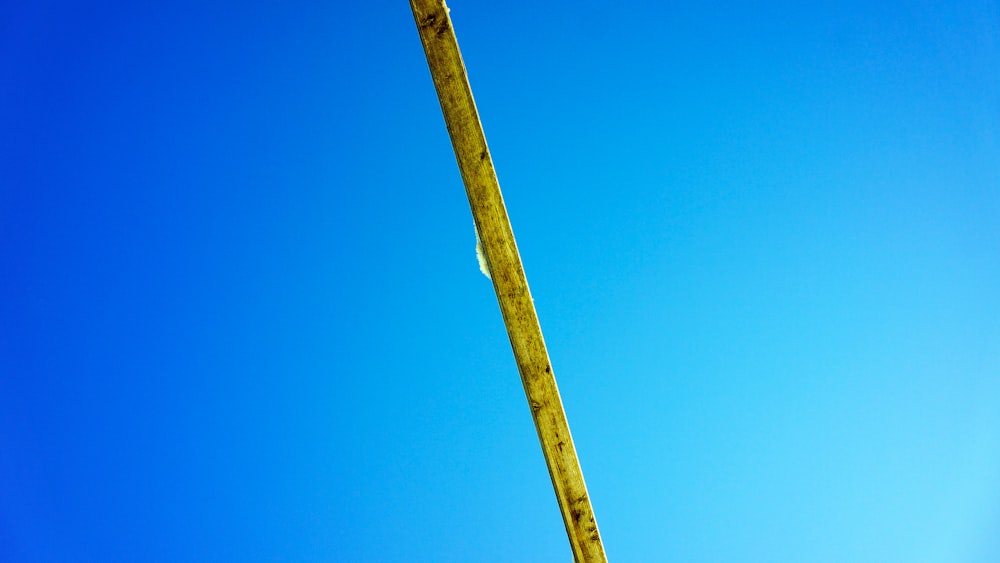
(241, 317)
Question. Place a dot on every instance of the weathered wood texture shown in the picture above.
(516, 305)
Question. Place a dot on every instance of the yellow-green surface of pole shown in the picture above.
(511, 285)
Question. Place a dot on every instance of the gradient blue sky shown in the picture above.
(241, 317)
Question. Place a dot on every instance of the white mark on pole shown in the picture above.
(483, 266)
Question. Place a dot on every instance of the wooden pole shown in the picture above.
(509, 281)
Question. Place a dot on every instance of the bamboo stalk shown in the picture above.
(509, 281)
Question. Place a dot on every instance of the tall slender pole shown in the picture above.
(509, 281)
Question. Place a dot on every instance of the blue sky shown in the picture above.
(241, 316)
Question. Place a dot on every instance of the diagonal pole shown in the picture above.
(516, 305)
